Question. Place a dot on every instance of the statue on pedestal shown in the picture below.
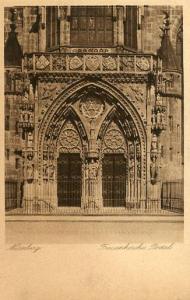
(153, 170)
(93, 169)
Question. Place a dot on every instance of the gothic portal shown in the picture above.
(92, 150)
(93, 109)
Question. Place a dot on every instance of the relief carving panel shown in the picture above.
(91, 107)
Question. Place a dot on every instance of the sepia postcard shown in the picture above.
(94, 139)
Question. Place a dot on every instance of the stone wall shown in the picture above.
(153, 20)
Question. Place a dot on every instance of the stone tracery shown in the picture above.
(60, 134)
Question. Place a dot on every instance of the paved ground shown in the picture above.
(80, 231)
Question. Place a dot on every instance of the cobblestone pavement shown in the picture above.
(93, 232)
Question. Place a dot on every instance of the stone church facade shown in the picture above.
(93, 109)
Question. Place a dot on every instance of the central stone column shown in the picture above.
(92, 197)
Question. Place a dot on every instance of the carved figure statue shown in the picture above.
(153, 118)
(30, 171)
(138, 169)
(45, 170)
(51, 170)
(30, 139)
(131, 167)
(158, 117)
(153, 170)
(93, 169)
(154, 143)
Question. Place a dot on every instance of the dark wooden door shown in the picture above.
(69, 178)
(114, 180)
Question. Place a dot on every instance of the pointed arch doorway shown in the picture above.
(105, 139)
(114, 180)
(69, 179)
(69, 166)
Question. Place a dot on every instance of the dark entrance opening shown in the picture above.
(69, 175)
(114, 180)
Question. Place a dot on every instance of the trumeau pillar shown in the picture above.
(65, 12)
(42, 29)
(92, 174)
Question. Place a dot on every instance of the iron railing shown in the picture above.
(143, 207)
(41, 207)
(171, 203)
(172, 196)
(11, 190)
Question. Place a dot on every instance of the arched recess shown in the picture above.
(65, 139)
(128, 119)
(121, 151)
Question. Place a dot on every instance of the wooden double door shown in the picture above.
(69, 180)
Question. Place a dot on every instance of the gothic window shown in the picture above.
(52, 27)
(91, 26)
(130, 27)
